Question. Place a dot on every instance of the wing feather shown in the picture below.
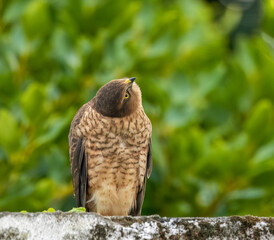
(78, 160)
(79, 173)
(138, 203)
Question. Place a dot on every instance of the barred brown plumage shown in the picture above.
(110, 150)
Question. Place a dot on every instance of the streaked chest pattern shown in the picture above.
(116, 148)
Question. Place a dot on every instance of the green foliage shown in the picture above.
(50, 210)
(79, 209)
(211, 108)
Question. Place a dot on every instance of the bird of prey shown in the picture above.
(110, 150)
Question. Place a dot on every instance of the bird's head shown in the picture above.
(118, 98)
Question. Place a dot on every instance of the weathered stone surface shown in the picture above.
(73, 226)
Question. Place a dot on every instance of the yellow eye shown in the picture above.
(126, 96)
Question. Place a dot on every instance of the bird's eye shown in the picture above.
(126, 96)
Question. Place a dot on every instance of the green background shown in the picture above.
(211, 106)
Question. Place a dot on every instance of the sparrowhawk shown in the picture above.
(110, 150)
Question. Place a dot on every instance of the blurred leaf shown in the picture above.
(14, 11)
(33, 101)
(265, 152)
(9, 131)
(36, 18)
(180, 116)
(260, 120)
(54, 126)
(248, 193)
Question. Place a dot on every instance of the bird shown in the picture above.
(110, 150)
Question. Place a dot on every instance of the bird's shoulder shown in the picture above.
(86, 110)
(146, 121)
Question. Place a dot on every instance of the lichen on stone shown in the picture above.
(75, 225)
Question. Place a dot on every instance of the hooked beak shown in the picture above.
(130, 80)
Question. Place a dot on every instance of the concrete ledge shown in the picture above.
(73, 226)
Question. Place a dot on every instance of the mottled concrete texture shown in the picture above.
(73, 226)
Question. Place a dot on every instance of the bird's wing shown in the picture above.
(138, 203)
(78, 160)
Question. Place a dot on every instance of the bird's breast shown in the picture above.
(116, 151)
